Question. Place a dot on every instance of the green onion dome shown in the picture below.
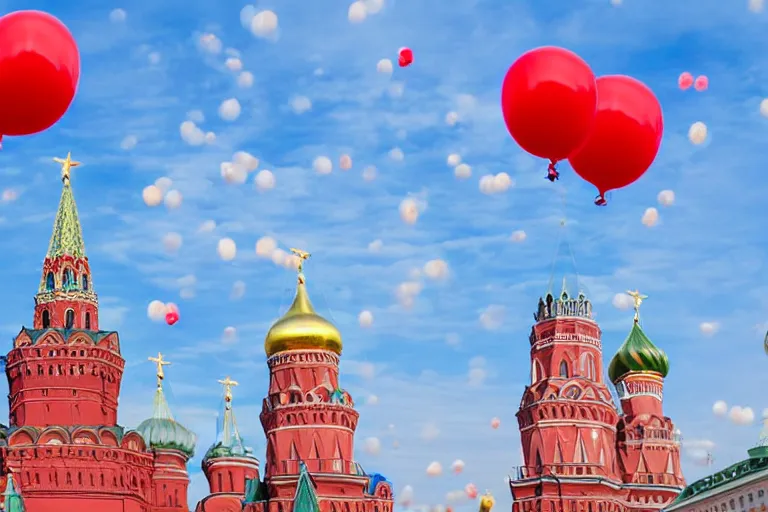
(638, 354)
(166, 433)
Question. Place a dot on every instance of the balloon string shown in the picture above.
(560, 235)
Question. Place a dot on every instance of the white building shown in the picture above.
(741, 487)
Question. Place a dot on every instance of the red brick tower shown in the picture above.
(567, 418)
(648, 447)
(64, 447)
(310, 422)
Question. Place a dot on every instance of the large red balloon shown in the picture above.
(39, 71)
(548, 99)
(626, 136)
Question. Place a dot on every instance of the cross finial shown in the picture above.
(228, 385)
(302, 256)
(66, 166)
(638, 299)
(159, 363)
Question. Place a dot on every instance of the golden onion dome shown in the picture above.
(301, 328)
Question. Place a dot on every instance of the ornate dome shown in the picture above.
(638, 354)
(302, 328)
(166, 433)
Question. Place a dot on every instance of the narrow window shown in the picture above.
(87, 320)
(46, 319)
(564, 370)
(50, 284)
(69, 319)
(85, 282)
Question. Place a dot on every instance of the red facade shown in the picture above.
(581, 453)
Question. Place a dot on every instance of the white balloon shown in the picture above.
(156, 311)
(152, 195)
(227, 249)
(697, 133)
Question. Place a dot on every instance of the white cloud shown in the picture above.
(518, 236)
(462, 171)
(365, 318)
(396, 154)
(209, 43)
(207, 226)
(154, 58)
(238, 290)
(384, 66)
(372, 445)
(118, 16)
(196, 116)
(322, 165)
(301, 104)
(234, 64)
(434, 469)
(697, 133)
(720, 408)
(264, 24)
(191, 133)
(245, 79)
(227, 249)
(650, 217)
(755, 5)
(429, 432)
(173, 199)
(10, 195)
(357, 12)
(622, 301)
(375, 246)
(709, 328)
(373, 6)
(436, 269)
(172, 242)
(369, 173)
(264, 180)
(230, 109)
(372, 400)
(666, 198)
(129, 142)
(492, 317)
(247, 14)
(451, 118)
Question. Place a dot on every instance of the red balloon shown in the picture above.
(405, 57)
(626, 136)
(39, 71)
(548, 99)
(171, 317)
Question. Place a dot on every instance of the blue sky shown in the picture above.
(439, 373)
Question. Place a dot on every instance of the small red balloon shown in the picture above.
(548, 99)
(171, 317)
(626, 136)
(701, 84)
(685, 80)
(39, 71)
(405, 57)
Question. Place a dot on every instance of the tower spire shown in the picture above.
(638, 299)
(67, 238)
(230, 435)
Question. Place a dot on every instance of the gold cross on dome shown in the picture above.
(228, 385)
(638, 299)
(66, 166)
(302, 256)
(159, 363)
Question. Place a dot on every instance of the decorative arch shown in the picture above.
(108, 438)
(85, 435)
(537, 372)
(23, 436)
(587, 366)
(134, 442)
(51, 338)
(54, 435)
(79, 338)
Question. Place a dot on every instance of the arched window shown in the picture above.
(220, 478)
(534, 372)
(539, 465)
(87, 320)
(69, 319)
(68, 280)
(85, 282)
(588, 367)
(564, 369)
(50, 283)
(46, 319)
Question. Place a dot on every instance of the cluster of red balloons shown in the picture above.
(686, 80)
(405, 57)
(608, 128)
(39, 72)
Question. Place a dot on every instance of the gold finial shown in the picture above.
(228, 385)
(159, 363)
(302, 256)
(66, 166)
(638, 300)
(487, 502)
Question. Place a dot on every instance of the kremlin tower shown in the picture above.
(64, 451)
(581, 454)
(309, 422)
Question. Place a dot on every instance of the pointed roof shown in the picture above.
(12, 500)
(67, 238)
(228, 440)
(305, 499)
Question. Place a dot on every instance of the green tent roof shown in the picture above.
(638, 354)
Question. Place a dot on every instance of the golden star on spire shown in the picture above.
(66, 166)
